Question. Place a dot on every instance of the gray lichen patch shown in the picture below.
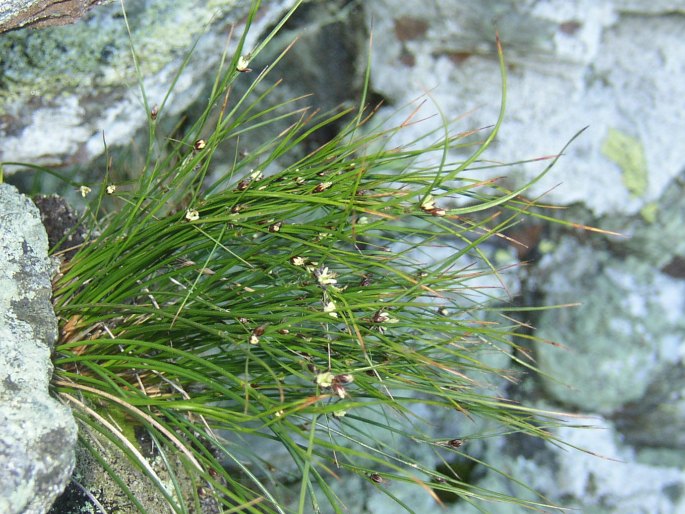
(38, 432)
(82, 79)
(27, 322)
(627, 331)
(95, 52)
(37, 452)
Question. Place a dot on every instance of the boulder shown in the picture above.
(38, 432)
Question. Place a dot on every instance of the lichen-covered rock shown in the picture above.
(658, 418)
(17, 14)
(608, 477)
(626, 331)
(81, 77)
(656, 235)
(616, 66)
(605, 64)
(38, 432)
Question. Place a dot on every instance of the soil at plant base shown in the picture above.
(61, 223)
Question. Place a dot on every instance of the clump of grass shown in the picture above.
(288, 301)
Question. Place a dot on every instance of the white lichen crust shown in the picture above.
(38, 432)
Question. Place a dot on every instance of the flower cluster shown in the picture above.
(325, 277)
(428, 205)
(330, 308)
(336, 383)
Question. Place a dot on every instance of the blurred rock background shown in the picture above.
(616, 66)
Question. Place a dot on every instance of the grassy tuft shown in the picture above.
(310, 301)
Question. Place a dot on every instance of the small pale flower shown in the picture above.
(339, 390)
(325, 379)
(428, 203)
(256, 175)
(340, 413)
(322, 187)
(298, 261)
(329, 308)
(429, 206)
(325, 277)
(84, 190)
(192, 215)
(384, 317)
(279, 413)
(111, 189)
(254, 339)
(243, 64)
(381, 317)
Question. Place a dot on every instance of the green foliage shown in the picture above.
(291, 300)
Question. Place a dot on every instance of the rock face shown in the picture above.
(17, 14)
(615, 65)
(81, 77)
(38, 433)
(571, 64)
